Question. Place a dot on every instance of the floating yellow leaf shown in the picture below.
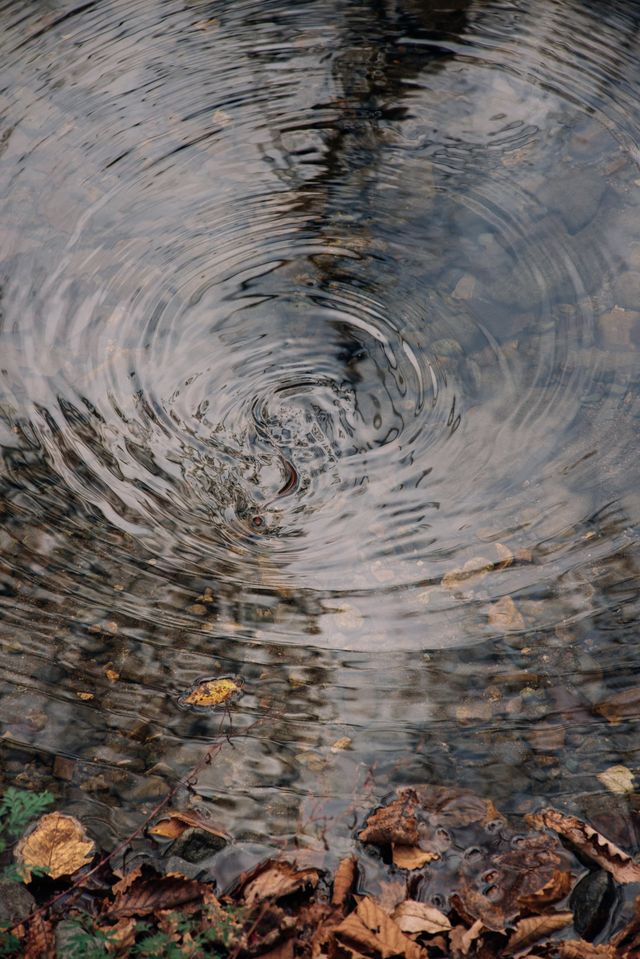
(341, 744)
(112, 675)
(84, 696)
(58, 843)
(212, 692)
(411, 857)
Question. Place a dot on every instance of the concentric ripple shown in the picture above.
(324, 312)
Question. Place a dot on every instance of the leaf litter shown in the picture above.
(485, 890)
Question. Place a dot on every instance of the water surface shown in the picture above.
(318, 367)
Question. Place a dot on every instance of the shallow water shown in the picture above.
(318, 367)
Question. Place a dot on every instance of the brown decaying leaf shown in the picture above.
(477, 906)
(40, 941)
(579, 949)
(275, 879)
(57, 843)
(462, 939)
(344, 881)
(411, 857)
(372, 932)
(145, 896)
(593, 845)
(413, 918)
(175, 821)
(624, 705)
(283, 950)
(122, 934)
(127, 880)
(394, 823)
(553, 891)
(530, 930)
(504, 615)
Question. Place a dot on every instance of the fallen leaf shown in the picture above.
(40, 942)
(411, 857)
(504, 615)
(341, 744)
(530, 930)
(371, 930)
(57, 843)
(85, 696)
(593, 845)
(126, 881)
(624, 705)
(344, 881)
(176, 821)
(394, 823)
(617, 779)
(212, 692)
(553, 891)
(579, 949)
(274, 879)
(122, 935)
(415, 917)
(112, 675)
(145, 896)
(462, 939)
(283, 950)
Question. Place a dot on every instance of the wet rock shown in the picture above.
(195, 845)
(16, 902)
(592, 901)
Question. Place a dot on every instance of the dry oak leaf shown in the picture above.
(592, 844)
(274, 879)
(344, 881)
(416, 917)
(553, 891)
(504, 615)
(175, 821)
(57, 843)
(531, 930)
(145, 896)
(462, 939)
(371, 931)
(579, 949)
(127, 880)
(411, 857)
(394, 823)
(212, 692)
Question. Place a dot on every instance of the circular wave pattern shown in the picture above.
(328, 322)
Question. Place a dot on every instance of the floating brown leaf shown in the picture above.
(145, 896)
(371, 931)
(274, 879)
(624, 705)
(212, 692)
(57, 843)
(395, 823)
(414, 917)
(411, 857)
(176, 821)
(344, 881)
(531, 930)
(593, 845)
(579, 949)
(553, 891)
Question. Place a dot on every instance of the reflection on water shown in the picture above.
(318, 344)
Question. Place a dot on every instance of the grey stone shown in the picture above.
(16, 902)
